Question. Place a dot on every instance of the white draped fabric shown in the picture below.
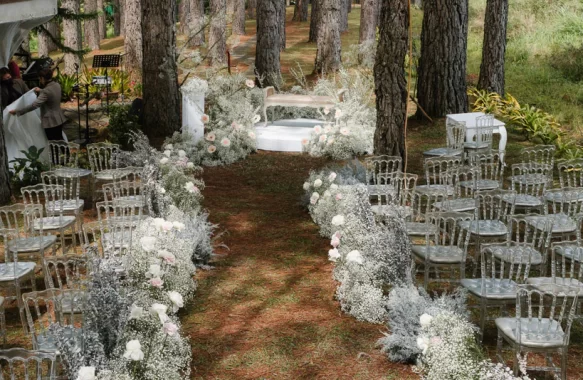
(192, 111)
(22, 132)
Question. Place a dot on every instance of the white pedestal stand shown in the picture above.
(193, 108)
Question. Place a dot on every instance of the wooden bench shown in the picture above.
(270, 99)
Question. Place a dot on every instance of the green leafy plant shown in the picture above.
(27, 170)
(121, 123)
(67, 83)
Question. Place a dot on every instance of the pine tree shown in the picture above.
(91, 26)
(72, 36)
(239, 18)
(494, 47)
(133, 38)
(329, 47)
(218, 34)
(368, 20)
(315, 20)
(267, 53)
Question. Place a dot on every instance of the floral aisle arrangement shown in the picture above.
(131, 329)
(369, 257)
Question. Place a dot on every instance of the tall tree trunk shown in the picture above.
(301, 10)
(160, 79)
(122, 15)
(45, 44)
(218, 34)
(101, 21)
(196, 23)
(281, 16)
(343, 16)
(315, 20)
(133, 37)
(494, 47)
(239, 18)
(183, 16)
(252, 9)
(329, 48)
(5, 190)
(389, 76)
(230, 6)
(267, 64)
(441, 83)
(349, 6)
(91, 26)
(117, 20)
(72, 36)
(368, 20)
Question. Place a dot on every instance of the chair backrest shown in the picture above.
(424, 203)
(53, 196)
(103, 156)
(92, 233)
(463, 175)
(20, 363)
(548, 312)
(494, 204)
(484, 131)
(456, 136)
(119, 219)
(571, 202)
(571, 173)
(129, 173)
(530, 178)
(566, 259)
(436, 167)
(405, 184)
(66, 272)
(381, 169)
(489, 164)
(21, 218)
(70, 182)
(500, 274)
(63, 154)
(530, 231)
(539, 155)
(449, 232)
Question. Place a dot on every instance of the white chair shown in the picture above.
(490, 170)
(542, 325)
(563, 212)
(20, 363)
(534, 158)
(463, 197)
(456, 136)
(530, 182)
(380, 171)
(103, 159)
(423, 204)
(482, 141)
(397, 202)
(571, 173)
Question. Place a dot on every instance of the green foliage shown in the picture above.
(117, 78)
(121, 123)
(27, 171)
(67, 83)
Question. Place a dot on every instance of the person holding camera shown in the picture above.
(49, 101)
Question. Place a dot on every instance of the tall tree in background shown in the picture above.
(196, 23)
(315, 20)
(329, 48)
(494, 47)
(101, 21)
(72, 35)
(343, 16)
(45, 43)
(230, 6)
(389, 76)
(183, 15)
(441, 83)
(218, 34)
(133, 37)
(160, 73)
(349, 5)
(239, 18)
(117, 19)
(281, 16)
(368, 20)
(91, 26)
(252, 9)
(301, 10)
(267, 64)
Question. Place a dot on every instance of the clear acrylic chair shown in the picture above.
(63, 154)
(530, 183)
(55, 221)
(435, 174)
(92, 233)
(498, 283)
(463, 197)
(423, 203)
(482, 140)
(66, 272)
(563, 212)
(50, 306)
(72, 204)
(456, 136)
(445, 248)
(398, 201)
(20, 363)
(491, 171)
(380, 171)
(118, 220)
(534, 158)
(525, 238)
(542, 325)
(103, 160)
(571, 173)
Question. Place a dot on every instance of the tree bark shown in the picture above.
(5, 190)
(239, 18)
(183, 16)
(45, 44)
(389, 75)
(117, 20)
(267, 64)
(494, 47)
(315, 20)
(91, 26)
(122, 11)
(196, 23)
(252, 9)
(160, 80)
(441, 83)
(301, 11)
(349, 5)
(230, 6)
(101, 21)
(281, 16)
(368, 20)
(329, 47)
(72, 36)
(133, 38)
(218, 34)
(343, 16)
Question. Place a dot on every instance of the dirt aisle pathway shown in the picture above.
(267, 310)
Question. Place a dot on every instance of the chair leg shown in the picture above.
(265, 115)
(483, 312)
(564, 363)
(499, 342)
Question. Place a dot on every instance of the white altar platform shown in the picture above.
(284, 135)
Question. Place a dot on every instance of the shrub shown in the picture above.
(121, 123)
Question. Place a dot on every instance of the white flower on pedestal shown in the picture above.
(134, 350)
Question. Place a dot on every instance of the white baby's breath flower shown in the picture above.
(333, 255)
(177, 300)
(133, 350)
(338, 220)
(354, 257)
(190, 187)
